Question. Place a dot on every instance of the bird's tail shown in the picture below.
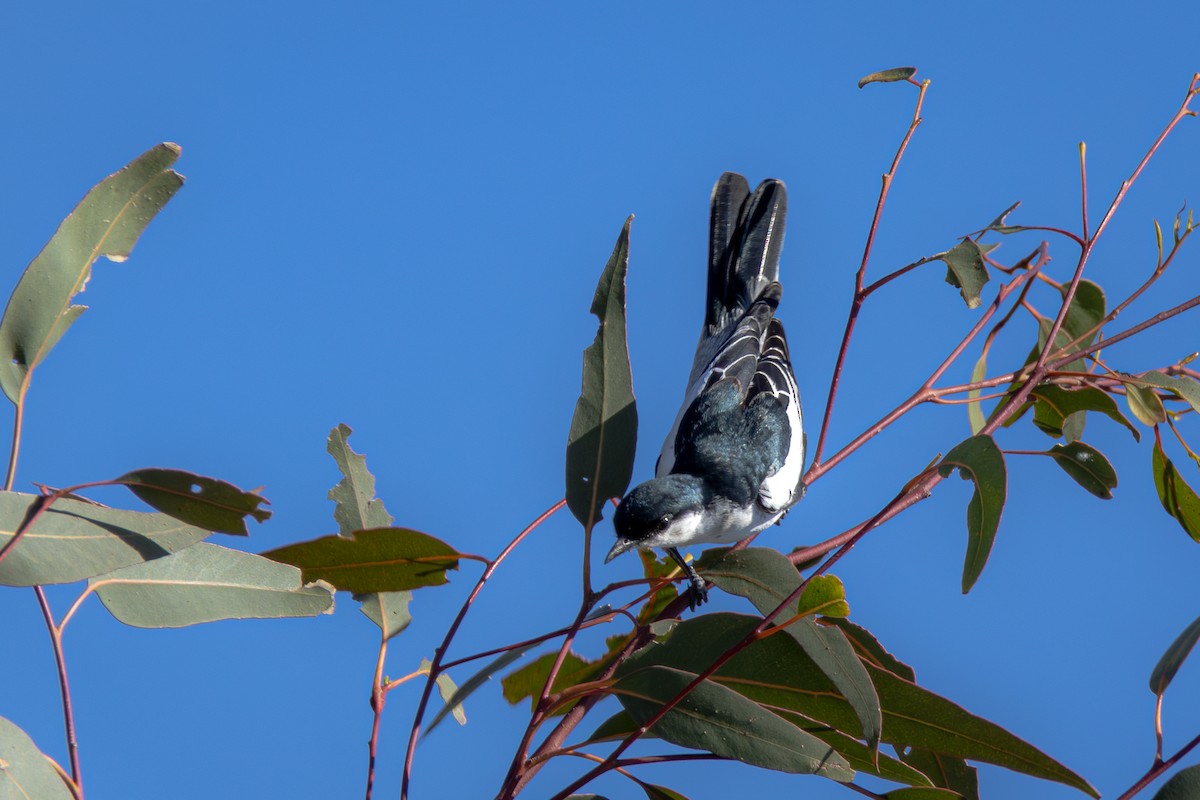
(745, 239)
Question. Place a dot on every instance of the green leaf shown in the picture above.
(205, 583)
(776, 672)
(718, 720)
(76, 540)
(966, 271)
(1085, 312)
(603, 437)
(979, 459)
(1185, 388)
(450, 696)
(107, 222)
(922, 793)
(528, 681)
(1173, 658)
(948, 773)
(1145, 404)
(357, 507)
(1054, 406)
(870, 651)
(1087, 466)
(974, 408)
(888, 76)
(475, 681)
(654, 792)
(204, 502)
(388, 610)
(1183, 785)
(1179, 500)
(24, 771)
(765, 577)
(375, 560)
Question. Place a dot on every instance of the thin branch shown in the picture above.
(64, 687)
(378, 699)
(1158, 769)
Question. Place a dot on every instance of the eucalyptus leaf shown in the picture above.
(1183, 785)
(1173, 658)
(376, 560)
(1185, 388)
(974, 408)
(980, 460)
(477, 680)
(1054, 406)
(1145, 404)
(966, 271)
(1179, 499)
(205, 583)
(204, 502)
(1087, 466)
(356, 506)
(449, 692)
(603, 436)
(888, 76)
(107, 222)
(388, 610)
(75, 540)
(24, 771)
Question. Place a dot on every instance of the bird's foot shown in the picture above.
(697, 592)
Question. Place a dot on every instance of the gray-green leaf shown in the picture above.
(979, 459)
(24, 771)
(356, 507)
(1173, 658)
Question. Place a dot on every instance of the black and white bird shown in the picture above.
(732, 463)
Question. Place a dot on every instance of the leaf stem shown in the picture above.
(65, 689)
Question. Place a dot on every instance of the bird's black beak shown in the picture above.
(620, 547)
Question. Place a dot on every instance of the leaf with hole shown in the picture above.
(74, 540)
(980, 460)
(206, 583)
(107, 222)
(204, 502)
(1087, 466)
(376, 560)
(603, 437)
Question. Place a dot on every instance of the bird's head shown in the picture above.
(663, 512)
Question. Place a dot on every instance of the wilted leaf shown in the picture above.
(1173, 658)
(603, 437)
(1183, 785)
(205, 583)
(107, 222)
(966, 271)
(204, 502)
(888, 76)
(718, 720)
(357, 507)
(76, 540)
(24, 771)
(1179, 500)
(1054, 406)
(376, 560)
(979, 459)
(388, 610)
(1087, 466)
(1145, 404)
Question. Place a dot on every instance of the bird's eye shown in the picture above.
(662, 523)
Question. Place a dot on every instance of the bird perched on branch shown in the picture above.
(732, 463)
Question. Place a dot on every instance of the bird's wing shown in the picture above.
(773, 376)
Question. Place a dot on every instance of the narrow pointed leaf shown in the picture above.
(206, 583)
(870, 651)
(204, 502)
(477, 680)
(718, 720)
(966, 271)
(765, 577)
(1183, 785)
(1179, 499)
(974, 407)
(922, 793)
(1087, 466)
(376, 560)
(449, 693)
(76, 540)
(24, 771)
(1172, 660)
(1145, 404)
(1054, 406)
(1185, 388)
(107, 222)
(1000, 221)
(655, 792)
(357, 507)
(979, 459)
(1085, 312)
(388, 610)
(603, 437)
(888, 76)
(948, 773)
(528, 681)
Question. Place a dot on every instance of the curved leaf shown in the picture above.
(888, 76)
(1145, 404)
(1185, 388)
(388, 610)
(718, 720)
(1172, 660)
(922, 793)
(107, 222)
(603, 437)
(1087, 466)
(75, 540)
(357, 507)
(1054, 405)
(375, 560)
(1183, 785)
(979, 459)
(966, 271)
(204, 502)
(1179, 500)
(206, 583)
(475, 681)
(24, 771)
(947, 772)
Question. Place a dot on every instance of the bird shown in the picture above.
(732, 464)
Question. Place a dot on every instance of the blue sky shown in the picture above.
(395, 216)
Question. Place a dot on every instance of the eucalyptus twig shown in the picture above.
(1158, 768)
(860, 276)
(435, 667)
(378, 699)
(64, 687)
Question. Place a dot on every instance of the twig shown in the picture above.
(64, 687)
